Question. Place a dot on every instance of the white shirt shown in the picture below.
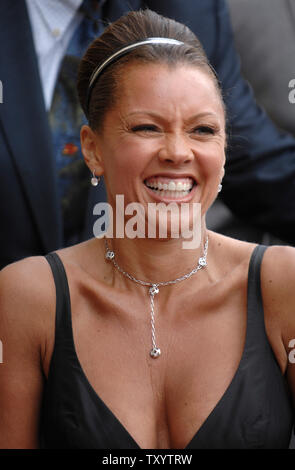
(53, 24)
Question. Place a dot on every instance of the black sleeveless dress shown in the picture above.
(255, 411)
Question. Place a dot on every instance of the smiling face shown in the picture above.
(164, 138)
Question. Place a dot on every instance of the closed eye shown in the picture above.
(204, 130)
(145, 128)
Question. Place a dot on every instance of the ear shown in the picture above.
(90, 150)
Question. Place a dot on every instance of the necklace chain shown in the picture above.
(154, 286)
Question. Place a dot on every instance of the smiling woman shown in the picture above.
(138, 343)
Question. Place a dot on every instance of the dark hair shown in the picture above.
(132, 27)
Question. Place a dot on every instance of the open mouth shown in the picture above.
(170, 188)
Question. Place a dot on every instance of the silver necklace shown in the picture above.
(154, 287)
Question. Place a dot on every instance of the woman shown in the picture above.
(106, 352)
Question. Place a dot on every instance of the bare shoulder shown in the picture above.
(28, 281)
(27, 286)
(278, 293)
(277, 287)
(83, 260)
(277, 269)
(277, 276)
(279, 258)
(230, 252)
(27, 297)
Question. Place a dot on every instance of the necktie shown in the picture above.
(66, 118)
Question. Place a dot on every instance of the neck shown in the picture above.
(153, 260)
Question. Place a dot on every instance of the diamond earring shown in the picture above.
(94, 179)
(219, 187)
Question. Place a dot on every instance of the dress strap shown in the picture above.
(255, 322)
(63, 324)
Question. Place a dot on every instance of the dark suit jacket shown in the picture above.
(260, 173)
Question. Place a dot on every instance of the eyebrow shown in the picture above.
(159, 116)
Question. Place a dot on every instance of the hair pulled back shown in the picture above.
(132, 27)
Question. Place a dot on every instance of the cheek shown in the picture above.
(123, 165)
(131, 156)
(211, 161)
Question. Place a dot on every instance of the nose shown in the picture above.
(176, 150)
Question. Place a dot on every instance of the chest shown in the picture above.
(206, 390)
(161, 402)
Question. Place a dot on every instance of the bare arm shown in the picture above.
(23, 313)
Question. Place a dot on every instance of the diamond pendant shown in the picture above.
(155, 352)
(154, 289)
(110, 255)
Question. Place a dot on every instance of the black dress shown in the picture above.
(255, 411)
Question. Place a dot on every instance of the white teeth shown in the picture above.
(172, 186)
